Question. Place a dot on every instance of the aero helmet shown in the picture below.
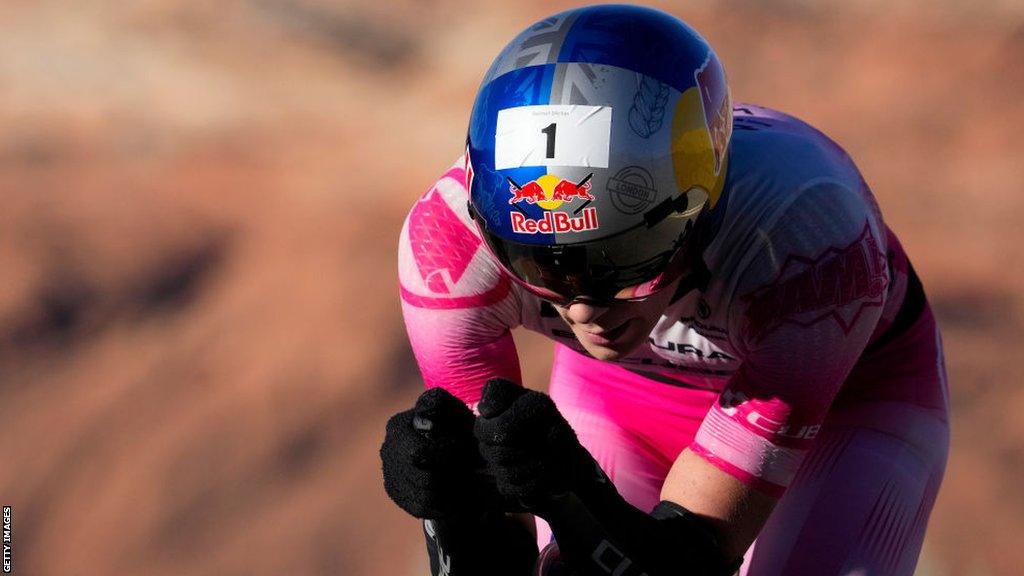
(598, 138)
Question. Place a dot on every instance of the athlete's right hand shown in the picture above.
(430, 460)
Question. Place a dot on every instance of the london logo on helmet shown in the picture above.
(551, 192)
(632, 190)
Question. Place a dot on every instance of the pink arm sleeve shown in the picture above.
(458, 305)
(806, 303)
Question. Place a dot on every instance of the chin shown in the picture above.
(604, 354)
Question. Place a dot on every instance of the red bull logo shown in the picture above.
(714, 97)
(550, 192)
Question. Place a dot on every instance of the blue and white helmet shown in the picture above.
(598, 137)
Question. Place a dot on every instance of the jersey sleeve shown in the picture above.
(458, 305)
(807, 298)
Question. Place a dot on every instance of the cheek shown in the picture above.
(648, 316)
(651, 310)
(645, 323)
(637, 336)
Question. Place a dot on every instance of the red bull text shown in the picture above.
(555, 222)
(549, 192)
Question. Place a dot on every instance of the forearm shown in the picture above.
(616, 538)
(539, 464)
(736, 511)
(600, 533)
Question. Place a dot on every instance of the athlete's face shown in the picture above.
(611, 330)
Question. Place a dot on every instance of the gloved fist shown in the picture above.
(531, 451)
(431, 465)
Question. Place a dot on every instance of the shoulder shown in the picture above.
(786, 180)
(797, 141)
(773, 155)
(442, 260)
(800, 237)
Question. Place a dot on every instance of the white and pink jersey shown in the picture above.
(806, 302)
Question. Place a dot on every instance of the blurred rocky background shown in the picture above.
(200, 337)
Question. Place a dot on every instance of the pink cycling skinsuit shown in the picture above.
(801, 357)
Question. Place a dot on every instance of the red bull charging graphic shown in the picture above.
(714, 95)
(551, 192)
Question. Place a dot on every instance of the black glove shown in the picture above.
(531, 451)
(431, 465)
(432, 470)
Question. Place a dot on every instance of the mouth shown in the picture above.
(607, 337)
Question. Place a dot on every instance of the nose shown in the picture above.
(584, 311)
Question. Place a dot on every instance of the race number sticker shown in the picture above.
(553, 135)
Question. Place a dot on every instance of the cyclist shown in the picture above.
(747, 372)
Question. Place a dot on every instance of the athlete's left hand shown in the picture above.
(531, 451)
